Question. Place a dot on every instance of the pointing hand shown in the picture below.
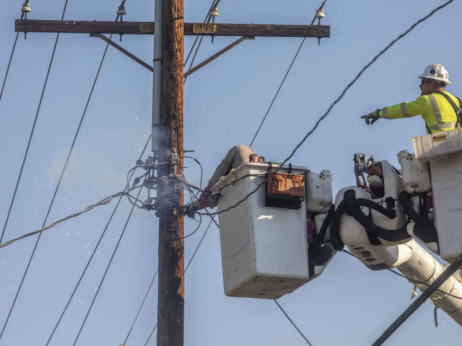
(374, 116)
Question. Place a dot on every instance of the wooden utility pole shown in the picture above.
(167, 138)
(170, 308)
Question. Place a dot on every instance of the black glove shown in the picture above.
(374, 116)
(192, 209)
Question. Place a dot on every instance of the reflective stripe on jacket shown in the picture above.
(437, 112)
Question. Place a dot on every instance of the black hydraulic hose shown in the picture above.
(406, 204)
(335, 239)
(362, 202)
(394, 235)
(315, 250)
(319, 240)
(423, 229)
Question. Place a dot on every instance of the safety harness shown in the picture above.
(456, 108)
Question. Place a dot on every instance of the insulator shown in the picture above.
(121, 11)
(320, 14)
(214, 12)
(26, 7)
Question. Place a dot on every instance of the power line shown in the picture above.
(93, 253)
(64, 170)
(337, 101)
(206, 20)
(32, 133)
(198, 245)
(280, 307)
(91, 207)
(141, 307)
(277, 93)
(216, 224)
(24, 14)
(189, 263)
(283, 80)
(20, 175)
(8, 68)
(105, 272)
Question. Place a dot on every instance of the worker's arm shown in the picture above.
(405, 109)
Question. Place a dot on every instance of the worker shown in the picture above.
(235, 157)
(440, 110)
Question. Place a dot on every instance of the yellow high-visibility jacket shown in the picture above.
(437, 112)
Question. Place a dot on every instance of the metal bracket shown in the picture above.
(221, 52)
(130, 55)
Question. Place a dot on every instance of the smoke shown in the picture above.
(100, 164)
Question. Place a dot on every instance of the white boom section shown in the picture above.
(423, 267)
(413, 260)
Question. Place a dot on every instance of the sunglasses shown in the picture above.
(425, 81)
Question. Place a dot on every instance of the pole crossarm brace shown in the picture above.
(127, 53)
(202, 64)
(190, 29)
(221, 52)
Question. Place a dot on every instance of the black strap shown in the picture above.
(428, 129)
(457, 109)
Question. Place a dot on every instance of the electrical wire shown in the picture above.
(197, 228)
(200, 165)
(20, 175)
(197, 248)
(60, 179)
(277, 92)
(150, 335)
(283, 80)
(32, 133)
(9, 64)
(280, 307)
(139, 310)
(93, 253)
(208, 19)
(197, 37)
(316, 126)
(105, 273)
(91, 207)
(342, 94)
(189, 263)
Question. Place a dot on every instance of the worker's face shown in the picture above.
(427, 86)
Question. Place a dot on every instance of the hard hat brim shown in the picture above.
(437, 79)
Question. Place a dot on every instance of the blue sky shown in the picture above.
(224, 104)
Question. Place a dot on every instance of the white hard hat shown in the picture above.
(436, 72)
